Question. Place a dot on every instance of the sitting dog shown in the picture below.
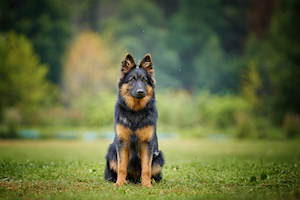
(134, 154)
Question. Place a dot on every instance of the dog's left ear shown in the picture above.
(147, 64)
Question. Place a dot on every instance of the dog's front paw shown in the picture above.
(147, 184)
(119, 183)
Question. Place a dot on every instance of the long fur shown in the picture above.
(135, 122)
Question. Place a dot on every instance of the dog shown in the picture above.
(134, 156)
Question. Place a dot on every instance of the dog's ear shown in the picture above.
(127, 63)
(147, 64)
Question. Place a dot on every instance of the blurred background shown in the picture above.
(224, 68)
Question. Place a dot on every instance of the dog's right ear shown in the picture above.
(127, 63)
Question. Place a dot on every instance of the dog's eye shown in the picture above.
(132, 79)
(144, 80)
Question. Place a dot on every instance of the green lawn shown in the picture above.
(207, 169)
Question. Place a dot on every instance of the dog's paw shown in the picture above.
(147, 184)
(117, 184)
(121, 183)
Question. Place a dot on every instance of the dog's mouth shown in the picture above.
(139, 96)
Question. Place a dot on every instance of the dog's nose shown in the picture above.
(140, 92)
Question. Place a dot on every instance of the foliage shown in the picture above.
(198, 33)
(291, 125)
(252, 85)
(176, 109)
(89, 67)
(284, 70)
(85, 111)
(246, 52)
(204, 109)
(276, 64)
(222, 112)
(200, 115)
(23, 86)
(97, 110)
(195, 169)
(45, 23)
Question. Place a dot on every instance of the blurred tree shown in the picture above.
(89, 67)
(259, 17)
(89, 14)
(140, 27)
(46, 24)
(252, 85)
(208, 35)
(277, 59)
(284, 68)
(22, 77)
(212, 68)
(169, 8)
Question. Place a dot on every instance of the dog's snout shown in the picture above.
(140, 91)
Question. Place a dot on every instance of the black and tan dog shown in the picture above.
(134, 153)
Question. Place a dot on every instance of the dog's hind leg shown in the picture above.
(157, 163)
(110, 173)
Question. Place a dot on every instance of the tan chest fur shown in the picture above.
(144, 134)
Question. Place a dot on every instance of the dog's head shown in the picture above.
(136, 83)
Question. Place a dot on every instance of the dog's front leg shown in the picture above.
(123, 159)
(122, 153)
(146, 161)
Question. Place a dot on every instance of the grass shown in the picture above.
(195, 169)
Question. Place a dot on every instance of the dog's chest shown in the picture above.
(132, 120)
(144, 134)
(125, 121)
